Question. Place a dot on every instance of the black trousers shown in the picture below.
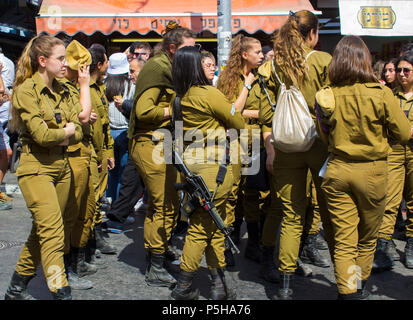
(130, 191)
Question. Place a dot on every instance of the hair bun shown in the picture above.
(172, 25)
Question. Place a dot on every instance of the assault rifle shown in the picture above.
(200, 196)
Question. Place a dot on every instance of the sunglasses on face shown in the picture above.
(406, 71)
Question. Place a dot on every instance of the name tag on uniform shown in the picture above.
(103, 100)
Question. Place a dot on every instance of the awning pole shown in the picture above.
(224, 33)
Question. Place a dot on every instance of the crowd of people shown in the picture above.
(89, 127)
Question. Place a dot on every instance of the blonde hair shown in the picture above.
(289, 41)
(28, 65)
(229, 78)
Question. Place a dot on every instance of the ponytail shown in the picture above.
(289, 52)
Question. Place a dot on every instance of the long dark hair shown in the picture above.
(351, 62)
(115, 85)
(187, 71)
(408, 57)
(98, 52)
(383, 75)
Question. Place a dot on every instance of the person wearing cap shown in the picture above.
(118, 85)
(80, 209)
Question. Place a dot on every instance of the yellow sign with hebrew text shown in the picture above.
(377, 17)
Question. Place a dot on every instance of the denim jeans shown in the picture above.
(121, 157)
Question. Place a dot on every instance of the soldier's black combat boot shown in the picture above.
(183, 289)
(364, 293)
(253, 250)
(64, 293)
(382, 260)
(17, 289)
(222, 285)
(408, 251)
(303, 269)
(392, 251)
(156, 275)
(320, 242)
(79, 264)
(101, 243)
(171, 254)
(310, 254)
(75, 282)
(268, 271)
(93, 255)
(360, 294)
(284, 292)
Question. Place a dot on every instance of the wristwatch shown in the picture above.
(248, 86)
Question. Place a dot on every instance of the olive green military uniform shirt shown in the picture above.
(44, 113)
(406, 105)
(315, 79)
(153, 93)
(206, 108)
(86, 128)
(102, 139)
(357, 120)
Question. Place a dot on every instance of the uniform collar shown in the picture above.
(40, 85)
(400, 94)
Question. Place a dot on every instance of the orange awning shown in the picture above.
(143, 16)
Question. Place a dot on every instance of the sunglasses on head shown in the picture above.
(405, 70)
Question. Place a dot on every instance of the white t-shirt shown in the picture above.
(8, 72)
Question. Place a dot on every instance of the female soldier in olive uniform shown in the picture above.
(48, 123)
(81, 205)
(241, 86)
(205, 110)
(102, 141)
(400, 175)
(151, 112)
(296, 63)
(357, 115)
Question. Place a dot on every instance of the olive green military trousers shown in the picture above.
(273, 215)
(400, 181)
(313, 219)
(81, 205)
(236, 195)
(100, 183)
(159, 179)
(290, 175)
(44, 180)
(356, 197)
(203, 235)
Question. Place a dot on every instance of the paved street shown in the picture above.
(123, 279)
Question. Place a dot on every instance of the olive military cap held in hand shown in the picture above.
(77, 54)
